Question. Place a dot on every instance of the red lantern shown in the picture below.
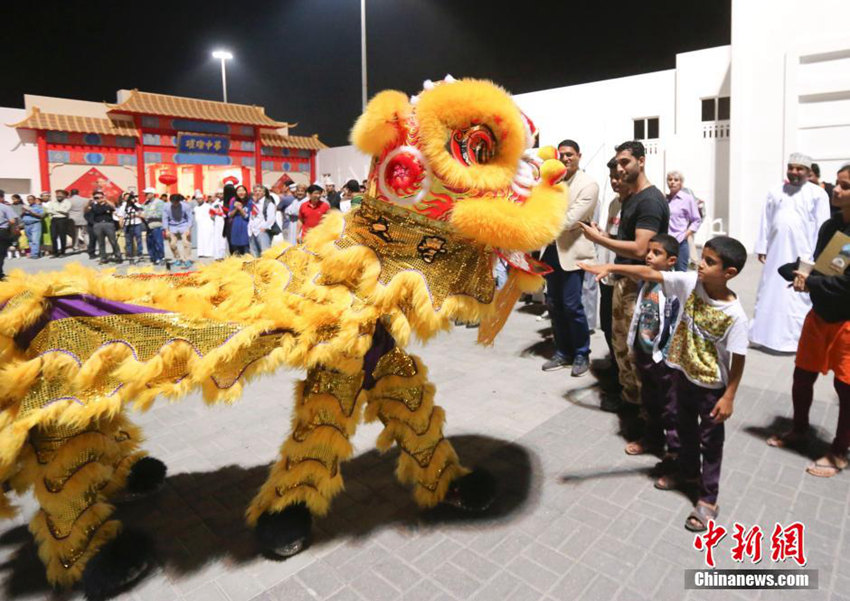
(167, 179)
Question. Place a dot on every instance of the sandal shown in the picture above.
(790, 439)
(674, 482)
(697, 520)
(637, 447)
(827, 466)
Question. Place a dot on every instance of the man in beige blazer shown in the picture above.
(564, 284)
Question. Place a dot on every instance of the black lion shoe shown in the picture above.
(118, 565)
(474, 492)
(285, 533)
(145, 478)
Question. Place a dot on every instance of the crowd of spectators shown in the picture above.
(135, 229)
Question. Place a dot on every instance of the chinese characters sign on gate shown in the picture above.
(202, 143)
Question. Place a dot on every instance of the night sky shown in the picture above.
(300, 59)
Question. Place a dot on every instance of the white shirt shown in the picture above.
(259, 222)
(707, 333)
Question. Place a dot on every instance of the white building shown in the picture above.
(726, 117)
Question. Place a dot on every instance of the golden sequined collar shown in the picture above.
(406, 241)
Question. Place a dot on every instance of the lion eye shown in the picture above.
(475, 145)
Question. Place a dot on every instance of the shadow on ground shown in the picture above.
(198, 517)
(816, 447)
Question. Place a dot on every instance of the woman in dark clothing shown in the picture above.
(825, 341)
(238, 215)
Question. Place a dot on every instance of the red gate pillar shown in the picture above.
(312, 166)
(43, 166)
(198, 177)
(140, 160)
(258, 158)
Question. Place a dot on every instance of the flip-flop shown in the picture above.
(832, 469)
(636, 447)
(701, 514)
(787, 440)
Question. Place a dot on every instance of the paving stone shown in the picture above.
(320, 578)
(457, 582)
(423, 590)
(532, 573)
(475, 565)
(574, 582)
(499, 587)
(207, 592)
(601, 588)
(290, 589)
(396, 572)
(374, 588)
(549, 558)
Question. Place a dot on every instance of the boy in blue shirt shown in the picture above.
(649, 338)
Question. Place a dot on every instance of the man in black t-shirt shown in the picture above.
(645, 213)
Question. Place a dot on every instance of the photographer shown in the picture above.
(101, 211)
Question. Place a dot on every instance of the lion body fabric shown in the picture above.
(78, 347)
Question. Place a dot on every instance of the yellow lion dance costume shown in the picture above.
(453, 185)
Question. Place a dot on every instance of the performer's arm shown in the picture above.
(641, 272)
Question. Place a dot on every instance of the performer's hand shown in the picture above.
(723, 409)
(800, 281)
(762, 259)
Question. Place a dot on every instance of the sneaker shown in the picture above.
(187, 264)
(557, 362)
(581, 365)
(179, 264)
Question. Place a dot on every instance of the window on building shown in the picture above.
(708, 109)
(652, 128)
(723, 109)
(646, 128)
(715, 109)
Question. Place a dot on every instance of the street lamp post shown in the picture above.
(223, 55)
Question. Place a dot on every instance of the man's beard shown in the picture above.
(630, 178)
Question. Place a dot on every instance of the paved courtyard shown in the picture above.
(576, 517)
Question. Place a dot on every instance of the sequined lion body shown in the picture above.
(78, 347)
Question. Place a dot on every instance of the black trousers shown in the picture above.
(6, 240)
(58, 233)
(92, 247)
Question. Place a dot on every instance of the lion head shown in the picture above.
(461, 151)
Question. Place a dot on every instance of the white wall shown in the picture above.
(18, 155)
(600, 115)
(341, 164)
(764, 36)
(703, 160)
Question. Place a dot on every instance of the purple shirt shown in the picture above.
(684, 215)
